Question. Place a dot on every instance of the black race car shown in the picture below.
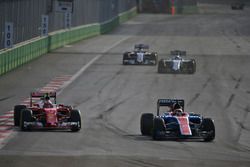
(140, 56)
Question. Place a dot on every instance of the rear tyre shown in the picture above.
(17, 114)
(158, 127)
(125, 57)
(146, 123)
(208, 126)
(26, 116)
(124, 63)
(193, 67)
(190, 67)
(75, 116)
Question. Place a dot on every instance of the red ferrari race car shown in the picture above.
(45, 114)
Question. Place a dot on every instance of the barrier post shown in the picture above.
(172, 8)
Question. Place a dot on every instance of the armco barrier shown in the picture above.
(111, 24)
(190, 10)
(61, 38)
(127, 15)
(30, 50)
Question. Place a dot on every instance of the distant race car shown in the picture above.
(168, 124)
(39, 115)
(140, 56)
(237, 6)
(177, 64)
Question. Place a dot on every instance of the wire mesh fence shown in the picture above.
(26, 15)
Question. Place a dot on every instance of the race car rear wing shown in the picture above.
(178, 52)
(169, 103)
(42, 94)
(141, 46)
(35, 95)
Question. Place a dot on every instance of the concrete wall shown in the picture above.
(25, 52)
(26, 15)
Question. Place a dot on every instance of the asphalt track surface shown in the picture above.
(112, 97)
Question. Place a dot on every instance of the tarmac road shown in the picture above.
(112, 97)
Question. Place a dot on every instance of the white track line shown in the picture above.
(7, 119)
(84, 68)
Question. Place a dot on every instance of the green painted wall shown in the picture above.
(21, 54)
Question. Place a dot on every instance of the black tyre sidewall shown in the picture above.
(75, 116)
(26, 116)
(208, 125)
(146, 123)
(161, 68)
(158, 125)
(17, 114)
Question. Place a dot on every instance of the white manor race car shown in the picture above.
(177, 64)
(140, 56)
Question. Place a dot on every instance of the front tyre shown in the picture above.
(209, 128)
(75, 117)
(26, 116)
(146, 123)
(159, 128)
(161, 67)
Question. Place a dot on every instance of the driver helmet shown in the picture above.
(178, 57)
(47, 102)
(177, 109)
(176, 106)
(46, 97)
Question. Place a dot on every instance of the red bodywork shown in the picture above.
(51, 116)
(184, 124)
(43, 113)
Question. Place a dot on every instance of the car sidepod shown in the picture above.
(151, 58)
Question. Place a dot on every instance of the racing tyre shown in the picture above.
(190, 67)
(124, 62)
(125, 56)
(17, 114)
(75, 116)
(208, 126)
(146, 123)
(193, 67)
(162, 68)
(158, 126)
(155, 57)
(26, 116)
